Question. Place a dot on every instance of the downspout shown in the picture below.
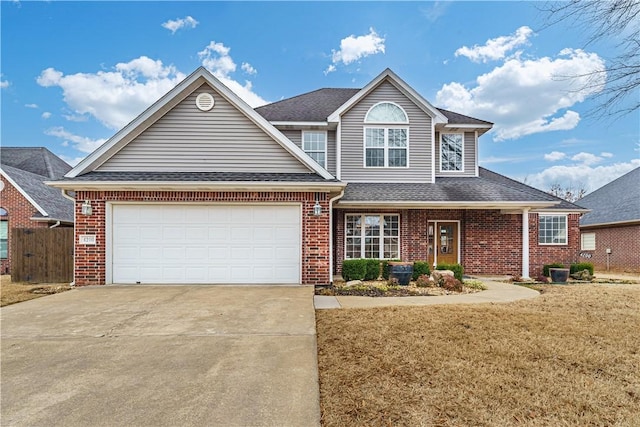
(525, 243)
(339, 196)
(55, 225)
(67, 196)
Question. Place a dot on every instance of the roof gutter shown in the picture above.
(197, 185)
(448, 204)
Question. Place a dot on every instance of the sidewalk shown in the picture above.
(496, 292)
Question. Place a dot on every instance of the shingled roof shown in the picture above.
(488, 187)
(618, 201)
(318, 105)
(29, 168)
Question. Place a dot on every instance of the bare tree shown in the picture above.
(570, 193)
(619, 22)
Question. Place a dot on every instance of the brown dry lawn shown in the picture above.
(568, 358)
(11, 293)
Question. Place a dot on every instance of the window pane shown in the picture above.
(353, 225)
(4, 231)
(397, 137)
(386, 113)
(391, 225)
(451, 152)
(552, 229)
(374, 137)
(353, 249)
(375, 157)
(397, 157)
(372, 225)
(319, 158)
(372, 247)
(588, 241)
(391, 248)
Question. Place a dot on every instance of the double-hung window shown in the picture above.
(386, 143)
(372, 236)
(315, 145)
(552, 229)
(451, 152)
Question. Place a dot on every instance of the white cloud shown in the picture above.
(178, 23)
(581, 175)
(215, 58)
(586, 158)
(76, 117)
(606, 155)
(81, 143)
(554, 156)
(496, 48)
(354, 48)
(524, 97)
(31, 105)
(71, 160)
(46, 115)
(247, 68)
(114, 97)
(4, 84)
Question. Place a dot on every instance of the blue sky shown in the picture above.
(73, 73)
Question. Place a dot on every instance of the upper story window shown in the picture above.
(385, 143)
(315, 145)
(451, 152)
(552, 229)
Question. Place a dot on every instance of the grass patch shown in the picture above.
(12, 293)
(568, 357)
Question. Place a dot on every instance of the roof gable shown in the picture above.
(408, 91)
(615, 202)
(163, 109)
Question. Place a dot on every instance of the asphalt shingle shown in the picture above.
(618, 201)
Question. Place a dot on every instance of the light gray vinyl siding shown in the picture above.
(296, 137)
(469, 158)
(352, 141)
(186, 139)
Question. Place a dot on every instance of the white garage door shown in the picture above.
(205, 244)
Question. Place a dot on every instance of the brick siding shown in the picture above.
(19, 214)
(624, 242)
(490, 242)
(90, 262)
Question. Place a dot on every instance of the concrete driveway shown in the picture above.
(161, 355)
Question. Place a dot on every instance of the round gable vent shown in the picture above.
(205, 101)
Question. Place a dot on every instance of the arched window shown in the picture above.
(4, 234)
(386, 137)
(386, 112)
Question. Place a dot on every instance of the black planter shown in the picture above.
(401, 271)
(559, 275)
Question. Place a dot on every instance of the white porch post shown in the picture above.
(525, 243)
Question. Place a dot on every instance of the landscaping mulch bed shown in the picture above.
(381, 288)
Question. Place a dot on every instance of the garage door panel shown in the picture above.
(205, 243)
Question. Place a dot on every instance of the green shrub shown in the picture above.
(372, 269)
(579, 266)
(420, 268)
(458, 270)
(385, 267)
(546, 267)
(354, 269)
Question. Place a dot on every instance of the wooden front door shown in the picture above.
(443, 242)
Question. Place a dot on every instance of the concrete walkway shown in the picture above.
(162, 356)
(496, 292)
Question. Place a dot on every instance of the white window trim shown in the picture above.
(386, 146)
(582, 247)
(386, 102)
(381, 234)
(326, 143)
(440, 152)
(566, 229)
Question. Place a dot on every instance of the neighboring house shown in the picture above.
(610, 233)
(25, 201)
(201, 188)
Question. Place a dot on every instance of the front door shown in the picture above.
(443, 242)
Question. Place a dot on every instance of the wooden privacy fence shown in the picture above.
(42, 255)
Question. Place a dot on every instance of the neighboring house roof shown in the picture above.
(170, 100)
(37, 160)
(489, 189)
(49, 202)
(616, 202)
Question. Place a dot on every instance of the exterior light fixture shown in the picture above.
(317, 209)
(86, 208)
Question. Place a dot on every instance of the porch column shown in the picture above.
(525, 243)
